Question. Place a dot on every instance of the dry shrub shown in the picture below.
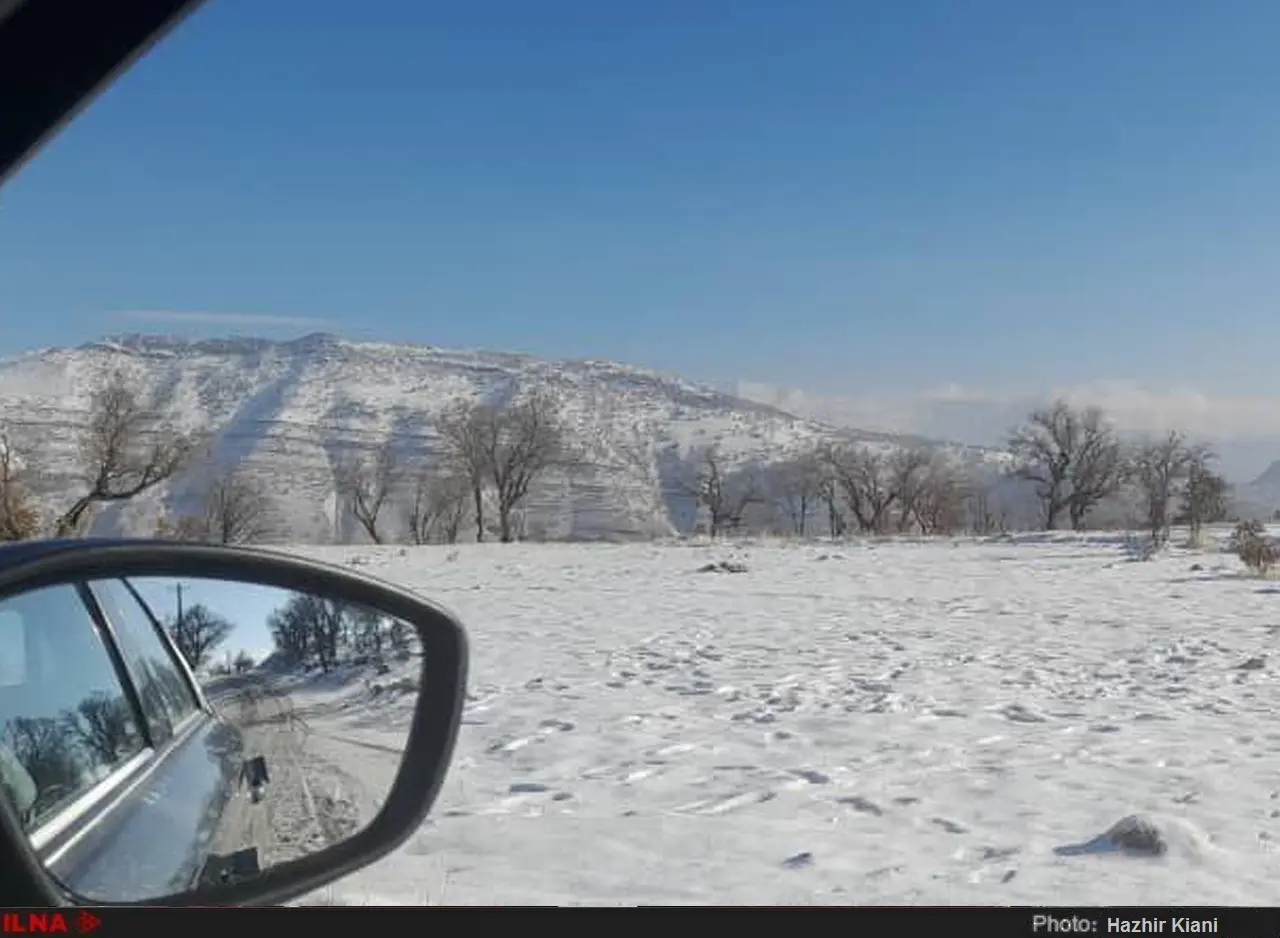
(19, 521)
(1255, 550)
(181, 528)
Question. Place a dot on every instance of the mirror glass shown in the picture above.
(160, 734)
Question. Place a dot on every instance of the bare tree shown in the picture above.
(19, 521)
(1160, 470)
(436, 512)
(418, 517)
(1047, 449)
(1098, 470)
(368, 482)
(938, 505)
(197, 631)
(829, 495)
(520, 442)
(462, 427)
(984, 511)
(866, 482)
(637, 456)
(909, 474)
(829, 490)
(236, 510)
(726, 495)
(1205, 497)
(798, 485)
(124, 451)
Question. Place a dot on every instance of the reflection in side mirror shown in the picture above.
(161, 734)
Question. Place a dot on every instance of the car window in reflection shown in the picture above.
(166, 696)
(65, 719)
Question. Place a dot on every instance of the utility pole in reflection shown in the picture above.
(179, 589)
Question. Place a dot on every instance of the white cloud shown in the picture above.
(1245, 429)
(1134, 407)
(221, 319)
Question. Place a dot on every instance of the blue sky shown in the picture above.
(851, 197)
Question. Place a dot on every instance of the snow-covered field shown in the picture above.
(894, 723)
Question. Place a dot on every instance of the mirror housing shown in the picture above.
(26, 566)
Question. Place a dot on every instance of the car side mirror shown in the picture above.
(186, 724)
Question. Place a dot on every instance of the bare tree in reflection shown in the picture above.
(101, 724)
(308, 628)
(313, 631)
(400, 637)
(49, 756)
(329, 625)
(173, 687)
(197, 632)
(290, 633)
(366, 631)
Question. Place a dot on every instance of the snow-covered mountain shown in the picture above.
(1263, 493)
(287, 413)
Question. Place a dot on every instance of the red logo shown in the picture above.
(33, 923)
(46, 923)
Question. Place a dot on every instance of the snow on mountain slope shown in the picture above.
(288, 412)
(1265, 488)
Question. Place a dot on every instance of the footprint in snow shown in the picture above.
(812, 776)
(885, 871)
(726, 804)
(951, 827)
(1017, 713)
(563, 726)
(999, 853)
(858, 803)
